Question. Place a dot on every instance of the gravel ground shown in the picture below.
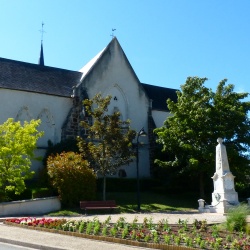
(172, 217)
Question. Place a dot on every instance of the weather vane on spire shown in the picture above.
(113, 30)
(42, 31)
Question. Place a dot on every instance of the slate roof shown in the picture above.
(35, 78)
(159, 96)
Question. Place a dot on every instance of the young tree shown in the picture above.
(17, 145)
(109, 142)
(198, 118)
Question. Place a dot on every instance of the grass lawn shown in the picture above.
(150, 202)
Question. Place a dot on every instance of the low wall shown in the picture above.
(30, 207)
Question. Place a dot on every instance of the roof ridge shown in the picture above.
(156, 86)
(34, 65)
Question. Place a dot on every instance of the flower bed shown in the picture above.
(161, 235)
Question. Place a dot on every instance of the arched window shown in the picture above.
(23, 115)
(48, 127)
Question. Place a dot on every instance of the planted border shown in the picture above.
(181, 236)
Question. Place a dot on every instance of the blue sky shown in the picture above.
(165, 40)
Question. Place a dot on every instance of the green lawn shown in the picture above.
(153, 202)
(150, 202)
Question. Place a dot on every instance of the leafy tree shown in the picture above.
(198, 118)
(109, 142)
(72, 177)
(17, 145)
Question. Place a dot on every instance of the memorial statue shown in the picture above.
(224, 195)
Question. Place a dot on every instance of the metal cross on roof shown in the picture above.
(42, 31)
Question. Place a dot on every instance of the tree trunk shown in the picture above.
(202, 192)
(104, 188)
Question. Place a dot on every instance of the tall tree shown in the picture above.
(198, 118)
(109, 142)
(17, 145)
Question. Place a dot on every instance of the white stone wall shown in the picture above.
(52, 110)
(30, 207)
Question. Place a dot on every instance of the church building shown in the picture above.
(36, 91)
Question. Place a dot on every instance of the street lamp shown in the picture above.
(140, 133)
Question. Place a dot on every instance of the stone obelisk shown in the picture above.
(224, 195)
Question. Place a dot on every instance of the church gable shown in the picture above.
(108, 65)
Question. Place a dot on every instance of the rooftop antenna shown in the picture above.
(113, 30)
(41, 59)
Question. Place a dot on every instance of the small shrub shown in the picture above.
(81, 227)
(113, 231)
(104, 230)
(167, 239)
(177, 240)
(203, 244)
(89, 227)
(72, 177)
(125, 232)
(147, 237)
(236, 219)
(215, 231)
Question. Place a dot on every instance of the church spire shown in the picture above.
(41, 58)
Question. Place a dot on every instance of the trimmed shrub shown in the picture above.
(72, 178)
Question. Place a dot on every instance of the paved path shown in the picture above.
(48, 241)
(6, 246)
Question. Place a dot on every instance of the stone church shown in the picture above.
(36, 91)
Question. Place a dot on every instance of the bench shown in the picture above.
(91, 205)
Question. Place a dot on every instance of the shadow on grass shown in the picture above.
(150, 202)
